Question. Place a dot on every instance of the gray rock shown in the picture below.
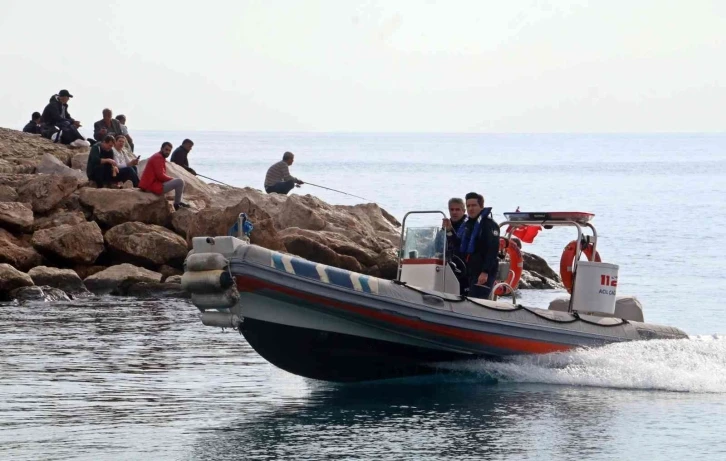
(11, 278)
(107, 280)
(51, 165)
(63, 279)
(534, 263)
(16, 216)
(137, 289)
(81, 244)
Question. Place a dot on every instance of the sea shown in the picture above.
(121, 378)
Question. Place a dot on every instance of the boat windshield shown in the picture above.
(423, 242)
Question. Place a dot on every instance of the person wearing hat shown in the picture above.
(58, 124)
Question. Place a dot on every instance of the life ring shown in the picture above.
(516, 264)
(568, 259)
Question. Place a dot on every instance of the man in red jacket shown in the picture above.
(155, 180)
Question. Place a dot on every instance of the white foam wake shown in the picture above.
(697, 364)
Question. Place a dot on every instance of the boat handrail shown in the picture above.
(493, 294)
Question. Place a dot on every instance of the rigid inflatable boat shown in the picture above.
(330, 324)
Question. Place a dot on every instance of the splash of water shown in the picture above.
(697, 364)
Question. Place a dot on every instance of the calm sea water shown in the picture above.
(129, 379)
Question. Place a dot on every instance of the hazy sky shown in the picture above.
(444, 66)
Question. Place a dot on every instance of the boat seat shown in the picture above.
(626, 307)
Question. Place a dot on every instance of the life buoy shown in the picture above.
(516, 264)
(568, 260)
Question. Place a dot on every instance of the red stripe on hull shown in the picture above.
(249, 284)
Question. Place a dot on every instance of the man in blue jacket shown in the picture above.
(478, 242)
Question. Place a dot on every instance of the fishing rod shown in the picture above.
(212, 179)
(339, 191)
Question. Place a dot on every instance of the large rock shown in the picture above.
(534, 263)
(112, 207)
(81, 244)
(168, 271)
(17, 252)
(107, 280)
(63, 279)
(10, 279)
(147, 243)
(84, 271)
(45, 192)
(150, 290)
(22, 152)
(51, 165)
(196, 191)
(181, 219)
(8, 194)
(535, 281)
(39, 294)
(16, 216)
(59, 217)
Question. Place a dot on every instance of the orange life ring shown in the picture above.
(568, 259)
(516, 264)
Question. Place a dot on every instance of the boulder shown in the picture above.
(81, 243)
(80, 161)
(16, 216)
(51, 165)
(86, 271)
(8, 194)
(10, 279)
(107, 280)
(535, 281)
(39, 294)
(45, 192)
(22, 152)
(534, 263)
(63, 279)
(112, 207)
(147, 243)
(150, 290)
(59, 217)
(17, 252)
(173, 279)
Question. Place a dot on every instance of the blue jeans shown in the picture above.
(282, 187)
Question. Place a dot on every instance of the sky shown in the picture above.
(371, 66)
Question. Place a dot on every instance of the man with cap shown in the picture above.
(58, 124)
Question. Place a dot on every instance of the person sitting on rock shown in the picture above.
(278, 179)
(155, 180)
(33, 125)
(106, 126)
(124, 159)
(180, 155)
(129, 140)
(58, 125)
(102, 168)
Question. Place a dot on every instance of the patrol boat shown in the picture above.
(330, 324)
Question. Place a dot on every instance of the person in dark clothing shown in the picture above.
(457, 217)
(56, 118)
(102, 168)
(180, 155)
(33, 125)
(106, 126)
(478, 244)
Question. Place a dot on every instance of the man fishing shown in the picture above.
(278, 179)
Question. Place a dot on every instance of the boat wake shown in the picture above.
(697, 364)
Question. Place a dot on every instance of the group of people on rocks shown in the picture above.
(472, 237)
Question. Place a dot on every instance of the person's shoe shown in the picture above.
(183, 205)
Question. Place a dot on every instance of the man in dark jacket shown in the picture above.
(57, 118)
(102, 168)
(451, 225)
(478, 242)
(180, 155)
(107, 126)
(33, 125)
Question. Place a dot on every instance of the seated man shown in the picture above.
(278, 179)
(102, 168)
(122, 121)
(106, 126)
(124, 159)
(155, 180)
(180, 155)
(33, 125)
(58, 125)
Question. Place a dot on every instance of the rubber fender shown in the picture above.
(220, 300)
(199, 262)
(206, 281)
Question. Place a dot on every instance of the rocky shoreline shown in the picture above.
(60, 238)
